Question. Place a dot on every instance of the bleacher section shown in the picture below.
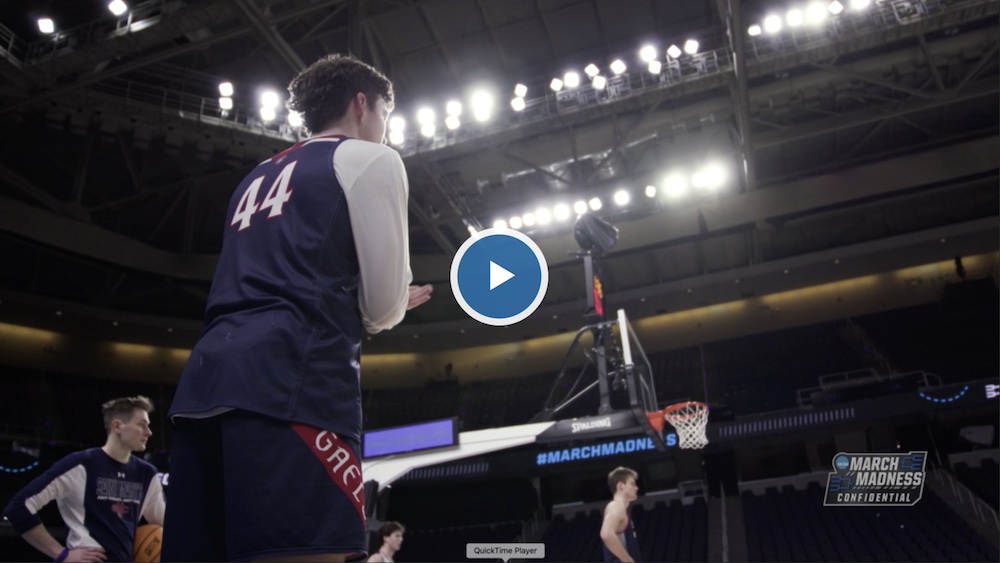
(983, 480)
(793, 525)
(448, 544)
(673, 532)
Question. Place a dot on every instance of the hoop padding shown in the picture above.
(690, 419)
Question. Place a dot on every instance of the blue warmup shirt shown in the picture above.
(100, 500)
(283, 328)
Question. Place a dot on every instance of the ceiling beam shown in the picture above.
(268, 33)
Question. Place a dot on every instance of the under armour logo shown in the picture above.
(121, 475)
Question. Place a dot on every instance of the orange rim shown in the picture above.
(656, 420)
(670, 411)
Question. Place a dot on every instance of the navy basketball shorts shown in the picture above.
(245, 486)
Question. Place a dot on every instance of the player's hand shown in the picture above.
(419, 294)
(86, 554)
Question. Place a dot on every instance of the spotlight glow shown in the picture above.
(580, 207)
(674, 52)
(647, 53)
(622, 198)
(858, 5)
(425, 115)
(499, 224)
(655, 67)
(595, 203)
(226, 89)
(650, 191)
(270, 99)
(267, 114)
(396, 138)
(835, 7)
(543, 215)
(428, 129)
(556, 84)
(397, 123)
(561, 211)
(772, 23)
(118, 7)
(515, 222)
(714, 176)
(528, 219)
(294, 119)
(599, 82)
(452, 122)
(454, 107)
(517, 104)
(472, 231)
(520, 90)
(675, 186)
(571, 79)
(482, 106)
(815, 13)
(618, 66)
(794, 18)
(592, 70)
(225, 103)
(754, 30)
(46, 25)
(691, 47)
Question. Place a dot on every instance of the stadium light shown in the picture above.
(425, 115)
(396, 138)
(118, 7)
(674, 52)
(528, 219)
(397, 123)
(650, 191)
(482, 106)
(561, 211)
(517, 104)
(691, 47)
(472, 230)
(592, 70)
(571, 79)
(647, 53)
(655, 67)
(267, 114)
(454, 107)
(226, 89)
(858, 5)
(772, 24)
(556, 84)
(225, 103)
(618, 66)
(794, 17)
(515, 222)
(452, 122)
(269, 99)
(754, 30)
(835, 7)
(675, 186)
(520, 90)
(46, 25)
(428, 129)
(815, 13)
(543, 215)
(499, 224)
(580, 207)
(622, 198)
(595, 203)
(294, 119)
(599, 82)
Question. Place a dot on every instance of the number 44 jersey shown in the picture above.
(315, 250)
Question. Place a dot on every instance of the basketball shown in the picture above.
(147, 544)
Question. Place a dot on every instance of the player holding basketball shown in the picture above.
(392, 539)
(267, 414)
(101, 492)
(617, 531)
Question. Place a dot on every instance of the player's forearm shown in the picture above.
(615, 546)
(42, 540)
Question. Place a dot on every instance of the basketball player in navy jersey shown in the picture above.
(617, 531)
(102, 492)
(267, 415)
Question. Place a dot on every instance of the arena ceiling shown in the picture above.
(870, 143)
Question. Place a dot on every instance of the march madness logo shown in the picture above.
(876, 479)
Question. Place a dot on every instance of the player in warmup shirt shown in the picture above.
(101, 492)
(267, 415)
(617, 531)
(391, 534)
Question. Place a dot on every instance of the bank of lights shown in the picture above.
(396, 127)
(118, 7)
(813, 14)
(46, 25)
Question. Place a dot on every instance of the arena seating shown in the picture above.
(983, 480)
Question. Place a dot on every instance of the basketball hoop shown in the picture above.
(690, 419)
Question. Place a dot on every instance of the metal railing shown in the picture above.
(984, 512)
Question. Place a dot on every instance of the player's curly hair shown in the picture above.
(123, 408)
(324, 90)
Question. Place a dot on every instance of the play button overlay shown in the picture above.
(499, 276)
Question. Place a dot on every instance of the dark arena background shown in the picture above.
(806, 198)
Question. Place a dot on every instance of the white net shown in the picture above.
(690, 419)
